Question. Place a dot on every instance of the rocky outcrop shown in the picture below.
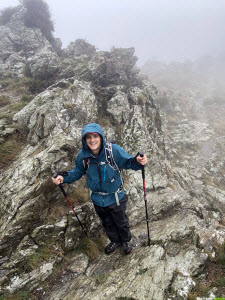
(25, 50)
(194, 112)
(79, 48)
(40, 237)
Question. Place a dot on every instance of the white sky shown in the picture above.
(160, 29)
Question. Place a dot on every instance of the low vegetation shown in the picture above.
(214, 278)
(10, 149)
(13, 138)
(25, 295)
(92, 248)
(4, 100)
(44, 254)
(101, 278)
(18, 92)
(57, 211)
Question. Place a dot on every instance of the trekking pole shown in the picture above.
(64, 193)
(145, 197)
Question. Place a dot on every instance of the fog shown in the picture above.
(166, 30)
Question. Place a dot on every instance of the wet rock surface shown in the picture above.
(42, 248)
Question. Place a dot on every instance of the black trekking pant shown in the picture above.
(115, 221)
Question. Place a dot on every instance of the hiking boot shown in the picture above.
(111, 247)
(127, 248)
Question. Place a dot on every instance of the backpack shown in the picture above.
(111, 162)
(109, 157)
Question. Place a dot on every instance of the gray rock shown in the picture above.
(79, 47)
(45, 233)
(78, 264)
(30, 280)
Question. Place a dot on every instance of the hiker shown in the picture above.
(101, 162)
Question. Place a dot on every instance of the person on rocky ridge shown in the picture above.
(105, 183)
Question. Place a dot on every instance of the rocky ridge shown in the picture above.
(40, 240)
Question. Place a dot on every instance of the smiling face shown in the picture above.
(94, 142)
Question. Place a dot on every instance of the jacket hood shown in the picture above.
(90, 128)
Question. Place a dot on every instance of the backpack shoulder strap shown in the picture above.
(85, 162)
(111, 161)
(109, 155)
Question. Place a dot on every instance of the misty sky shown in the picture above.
(158, 29)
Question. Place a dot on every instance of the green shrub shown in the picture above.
(142, 99)
(27, 71)
(35, 85)
(38, 16)
(6, 14)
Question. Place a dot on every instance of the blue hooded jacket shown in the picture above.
(101, 178)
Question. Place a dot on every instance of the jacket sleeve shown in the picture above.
(77, 172)
(124, 160)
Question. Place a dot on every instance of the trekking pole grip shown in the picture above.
(60, 185)
(141, 153)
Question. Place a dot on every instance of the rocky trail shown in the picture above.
(47, 95)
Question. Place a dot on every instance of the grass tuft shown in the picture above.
(24, 295)
(89, 248)
(220, 257)
(4, 100)
(200, 290)
(9, 151)
(43, 254)
(101, 278)
(215, 276)
(92, 248)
